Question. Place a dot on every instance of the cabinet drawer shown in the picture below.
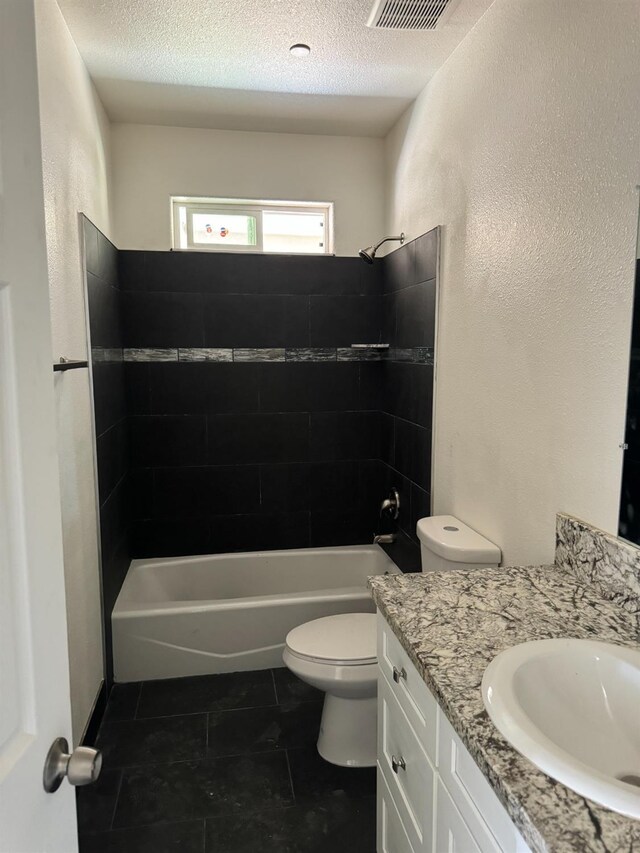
(452, 833)
(483, 812)
(391, 837)
(409, 689)
(406, 768)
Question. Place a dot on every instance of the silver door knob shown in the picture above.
(81, 767)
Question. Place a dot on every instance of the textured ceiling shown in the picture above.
(227, 64)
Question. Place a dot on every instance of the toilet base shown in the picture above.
(348, 731)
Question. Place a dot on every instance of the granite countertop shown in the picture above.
(452, 624)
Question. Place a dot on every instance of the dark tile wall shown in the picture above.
(110, 416)
(629, 524)
(225, 455)
(406, 396)
(230, 456)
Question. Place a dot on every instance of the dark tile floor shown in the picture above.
(222, 764)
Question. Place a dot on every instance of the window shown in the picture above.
(241, 225)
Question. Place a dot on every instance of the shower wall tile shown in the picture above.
(256, 320)
(260, 532)
(105, 321)
(163, 319)
(203, 388)
(168, 440)
(137, 388)
(399, 268)
(255, 438)
(109, 395)
(344, 320)
(344, 435)
(108, 381)
(426, 256)
(415, 315)
(289, 414)
(174, 537)
(408, 391)
(231, 273)
(309, 387)
(113, 458)
(406, 396)
(204, 492)
(412, 451)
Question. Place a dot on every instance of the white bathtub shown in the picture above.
(228, 612)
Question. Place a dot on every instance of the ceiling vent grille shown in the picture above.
(410, 14)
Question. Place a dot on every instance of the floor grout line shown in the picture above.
(115, 804)
(135, 713)
(275, 689)
(293, 791)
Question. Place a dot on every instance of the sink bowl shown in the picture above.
(572, 707)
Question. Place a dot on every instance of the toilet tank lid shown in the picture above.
(450, 538)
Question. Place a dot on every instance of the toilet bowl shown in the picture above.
(337, 654)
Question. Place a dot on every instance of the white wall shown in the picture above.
(152, 163)
(75, 146)
(526, 147)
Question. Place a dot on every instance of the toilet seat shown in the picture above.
(348, 639)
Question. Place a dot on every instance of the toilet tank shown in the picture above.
(446, 543)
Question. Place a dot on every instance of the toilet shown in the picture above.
(337, 654)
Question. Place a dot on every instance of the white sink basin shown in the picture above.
(572, 707)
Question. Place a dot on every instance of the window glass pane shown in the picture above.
(293, 232)
(219, 229)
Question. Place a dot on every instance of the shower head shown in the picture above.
(368, 254)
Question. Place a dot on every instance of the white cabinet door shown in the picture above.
(452, 833)
(34, 677)
(391, 835)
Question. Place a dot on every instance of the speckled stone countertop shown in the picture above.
(452, 624)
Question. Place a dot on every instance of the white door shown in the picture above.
(34, 675)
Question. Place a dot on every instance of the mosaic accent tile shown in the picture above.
(610, 564)
(452, 624)
(267, 354)
(311, 354)
(204, 354)
(415, 355)
(361, 354)
(104, 355)
(150, 354)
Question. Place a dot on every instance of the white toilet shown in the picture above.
(337, 654)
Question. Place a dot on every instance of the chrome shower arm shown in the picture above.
(399, 239)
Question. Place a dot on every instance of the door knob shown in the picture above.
(81, 767)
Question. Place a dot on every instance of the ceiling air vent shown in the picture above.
(410, 14)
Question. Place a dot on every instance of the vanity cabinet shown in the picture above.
(432, 797)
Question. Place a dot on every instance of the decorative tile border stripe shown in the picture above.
(105, 355)
(362, 354)
(311, 354)
(205, 354)
(415, 355)
(266, 354)
(150, 354)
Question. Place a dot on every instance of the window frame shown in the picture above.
(244, 207)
